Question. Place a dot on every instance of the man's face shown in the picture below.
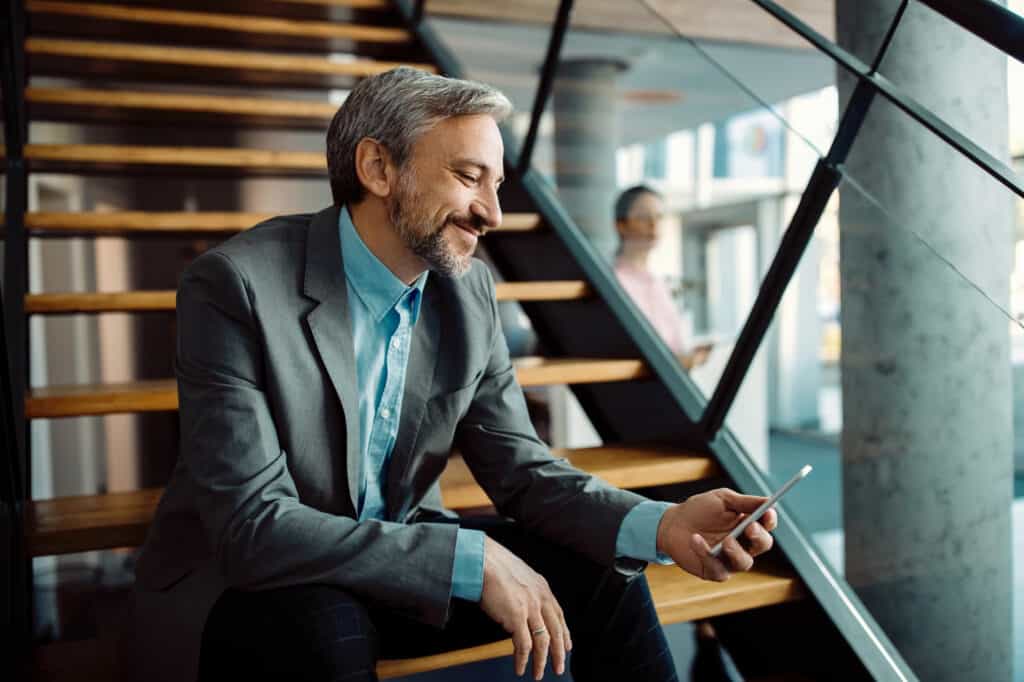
(447, 192)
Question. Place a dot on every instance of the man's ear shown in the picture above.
(374, 167)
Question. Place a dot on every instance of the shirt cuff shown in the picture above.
(468, 572)
(638, 535)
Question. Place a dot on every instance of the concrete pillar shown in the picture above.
(585, 96)
(927, 401)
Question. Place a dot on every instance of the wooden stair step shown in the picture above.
(109, 158)
(144, 301)
(678, 597)
(78, 400)
(368, 12)
(119, 106)
(81, 523)
(534, 371)
(161, 24)
(624, 466)
(563, 290)
(161, 395)
(110, 60)
(349, 4)
(98, 302)
(76, 524)
(186, 222)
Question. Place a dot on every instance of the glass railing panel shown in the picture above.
(928, 50)
(639, 106)
(931, 272)
(501, 44)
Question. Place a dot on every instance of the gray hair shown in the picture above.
(395, 108)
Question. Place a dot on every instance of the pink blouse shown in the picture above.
(652, 297)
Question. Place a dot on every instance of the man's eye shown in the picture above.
(468, 177)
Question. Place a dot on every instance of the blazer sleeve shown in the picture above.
(261, 533)
(517, 470)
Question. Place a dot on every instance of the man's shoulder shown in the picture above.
(273, 243)
(269, 234)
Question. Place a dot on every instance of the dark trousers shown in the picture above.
(322, 633)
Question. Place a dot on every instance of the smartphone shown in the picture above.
(759, 512)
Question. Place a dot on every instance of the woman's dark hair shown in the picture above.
(626, 199)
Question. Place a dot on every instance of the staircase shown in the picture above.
(117, 54)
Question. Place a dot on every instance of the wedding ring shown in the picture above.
(539, 631)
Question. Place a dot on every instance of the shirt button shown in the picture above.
(386, 413)
(395, 343)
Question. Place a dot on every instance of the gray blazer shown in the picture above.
(264, 491)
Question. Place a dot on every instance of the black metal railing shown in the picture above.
(13, 345)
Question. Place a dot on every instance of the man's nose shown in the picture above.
(488, 209)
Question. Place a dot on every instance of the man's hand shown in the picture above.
(697, 357)
(519, 599)
(688, 530)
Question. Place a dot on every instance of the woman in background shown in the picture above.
(639, 212)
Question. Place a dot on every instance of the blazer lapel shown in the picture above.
(419, 378)
(331, 328)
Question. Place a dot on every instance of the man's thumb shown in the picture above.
(744, 504)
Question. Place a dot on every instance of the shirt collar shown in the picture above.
(377, 287)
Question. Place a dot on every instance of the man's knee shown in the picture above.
(300, 632)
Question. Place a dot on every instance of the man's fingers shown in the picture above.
(770, 520)
(759, 540)
(541, 635)
(522, 641)
(736, 556)
(553, 620)
(743, 504)
(711, 568)
(565, 631)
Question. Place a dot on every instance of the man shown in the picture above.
(327, 364)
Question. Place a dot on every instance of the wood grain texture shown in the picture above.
(135, 222)
(177, 19)
(238, 61)
(623, 466)
(535, 371)
(351, 4)
(94, 399)
(150, 301)
(97, 302)
(521, 222)
(83, 104)
(75, 524)
(161, 395)
(570, 290)
(56, 157)
(678, 597)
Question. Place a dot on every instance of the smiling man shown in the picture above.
(327, 365)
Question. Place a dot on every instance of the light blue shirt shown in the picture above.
(383, 312)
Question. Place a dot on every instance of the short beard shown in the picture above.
(429, 244)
